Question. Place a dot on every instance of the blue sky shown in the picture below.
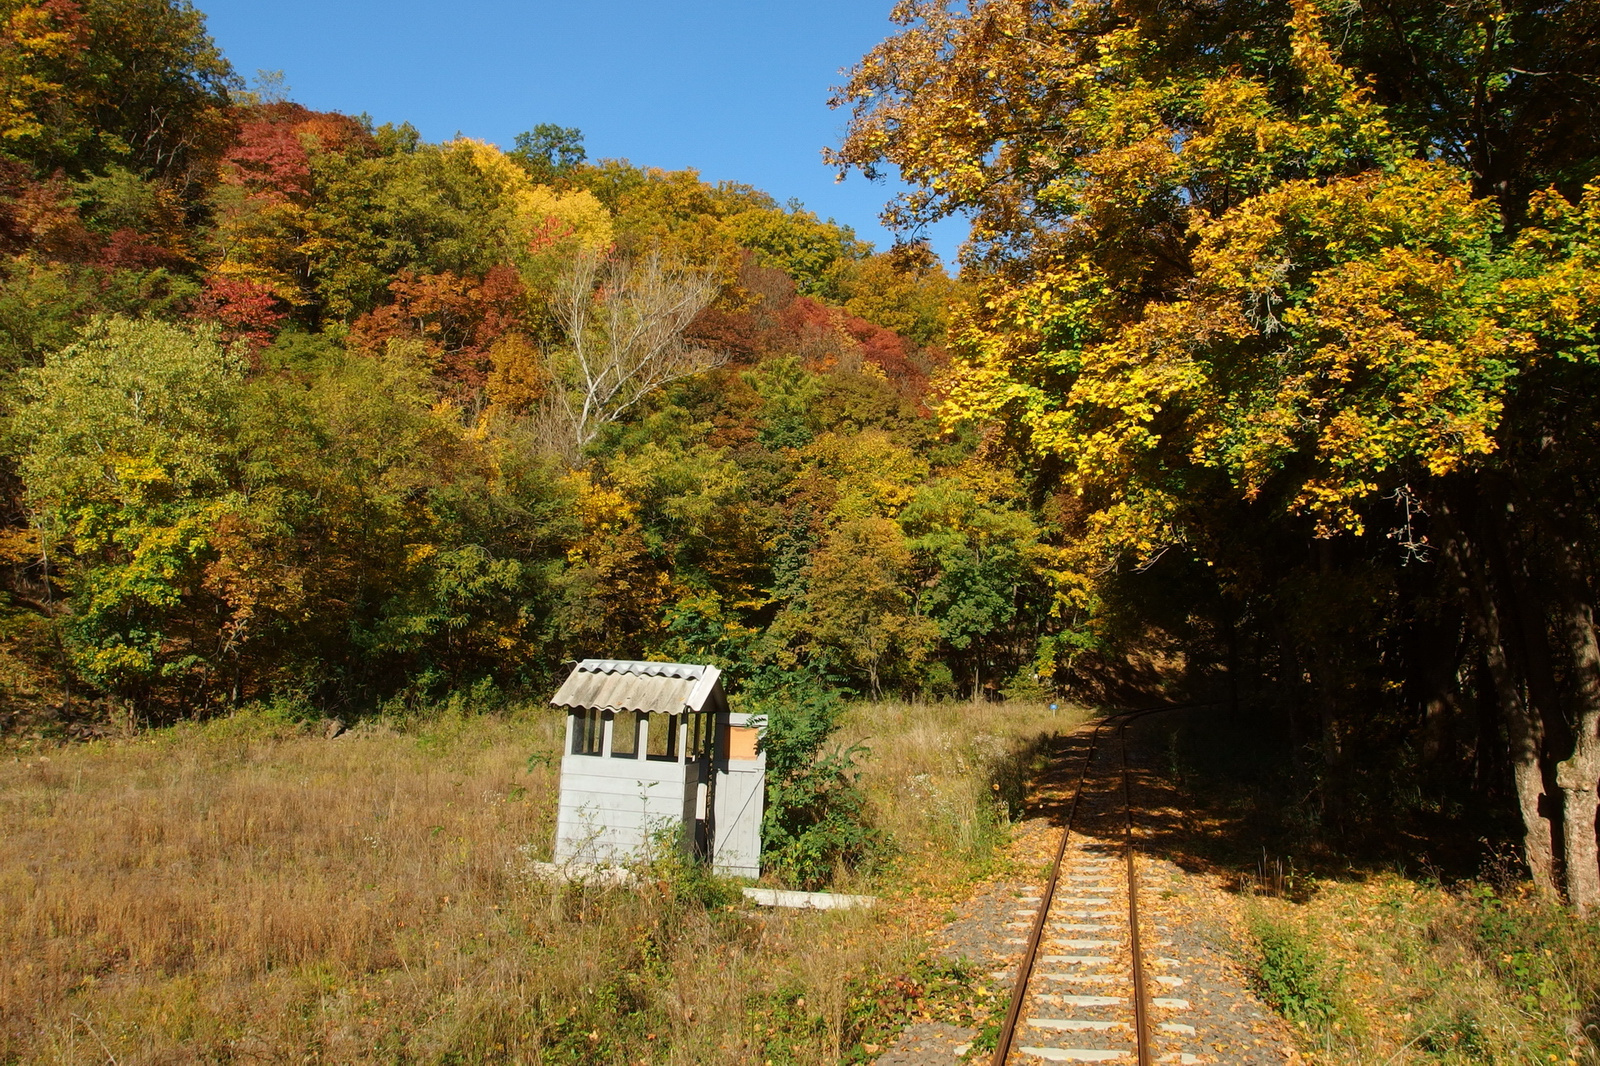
(737, 90)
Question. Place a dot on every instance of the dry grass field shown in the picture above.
(946, 779)
(248, 891)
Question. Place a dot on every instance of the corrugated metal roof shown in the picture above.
(624, 666)
(612, 684)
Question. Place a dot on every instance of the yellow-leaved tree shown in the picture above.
(1224, 297)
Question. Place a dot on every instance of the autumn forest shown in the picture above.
(1268, 377)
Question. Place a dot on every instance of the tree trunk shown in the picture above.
(1232, 662)
(1487, 749)
(1326, 671)
(1435, 661)
(1528, 602)
(1290, 681)
(1526, 735)
(1578, 775)
(1325, 678)
(1524, 731)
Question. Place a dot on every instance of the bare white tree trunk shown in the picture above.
(624, 321)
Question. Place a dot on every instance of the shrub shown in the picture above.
(684, 878)
(1460, 1034)
(1291, 976)
(816, 816)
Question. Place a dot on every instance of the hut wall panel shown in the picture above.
(610, 807)
(741, 794)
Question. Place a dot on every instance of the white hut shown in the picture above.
(653, 750)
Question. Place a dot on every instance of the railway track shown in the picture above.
(1092, 984)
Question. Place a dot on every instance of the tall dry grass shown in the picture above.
(946, 779)
(244, 891)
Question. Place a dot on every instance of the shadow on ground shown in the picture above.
(1217, 790)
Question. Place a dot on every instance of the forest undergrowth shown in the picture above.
(247, 888)
(1381, 938)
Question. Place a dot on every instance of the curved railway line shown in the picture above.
(1084, 990)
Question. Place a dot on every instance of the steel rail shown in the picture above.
(1141, 1005)
(1019, 989)
(1030, 953)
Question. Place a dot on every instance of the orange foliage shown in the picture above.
(269, 159)
(886, 350)
(13, 179)
(458, 319)
(45, 217)
(518, 377)
(128, 249)
(246, 310)
(774, 320)
(828, 338)
(271, 153)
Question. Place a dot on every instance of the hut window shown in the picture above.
(588, 731)
(625, 736)
(699, 734)
(663, 741)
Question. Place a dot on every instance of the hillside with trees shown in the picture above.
(304, 408)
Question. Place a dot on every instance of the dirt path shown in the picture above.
(1079, 1002)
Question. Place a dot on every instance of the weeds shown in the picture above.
(1589, 1034)
(1458, 1037)
(1277, 878)
(856, 1018)
(1547, 959)
(1405, 971)
(816, 820)
(1384, 954)
(1291, 975)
